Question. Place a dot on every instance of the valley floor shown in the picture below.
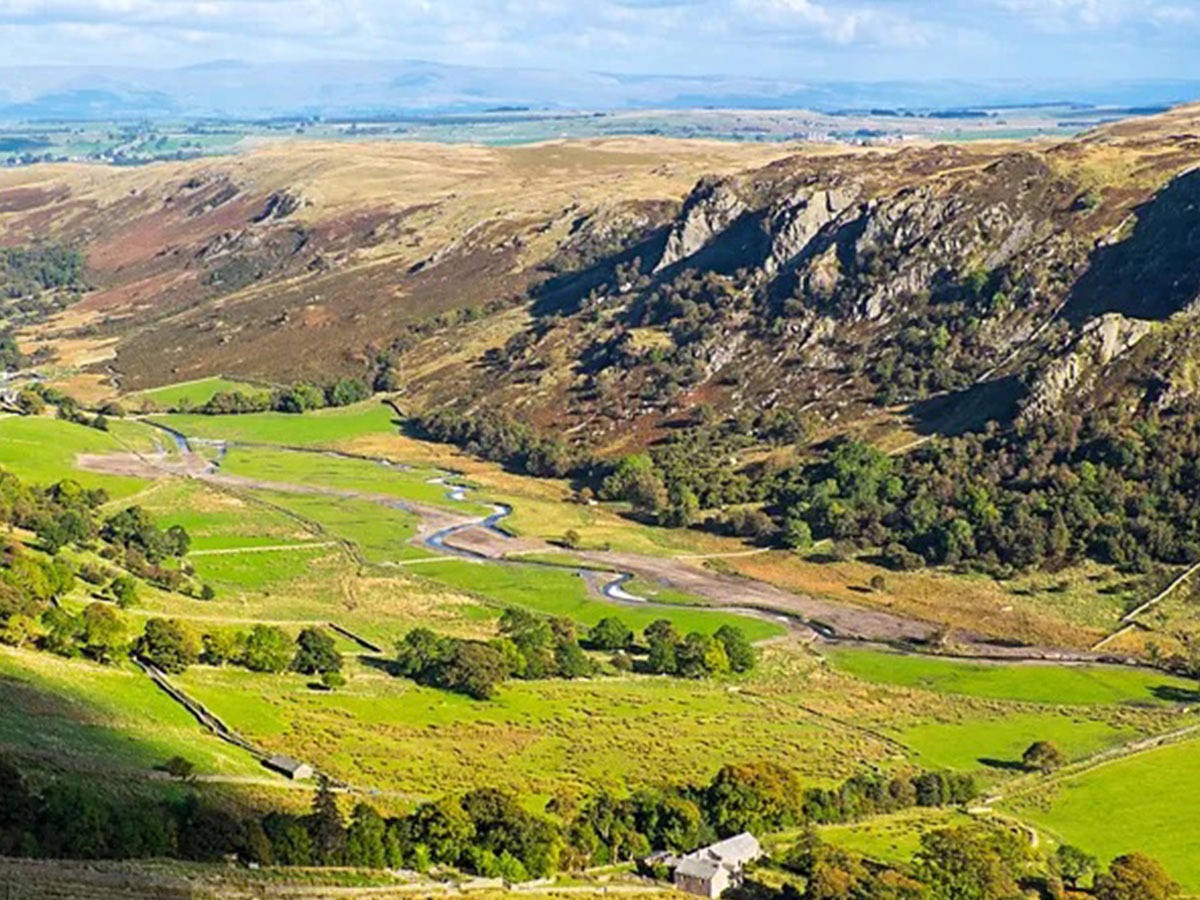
(334, 518)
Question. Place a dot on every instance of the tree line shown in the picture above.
(532, 647)
(489, 832)
(298, 398)
(1111, 487)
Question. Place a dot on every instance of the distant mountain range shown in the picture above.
(331, 89)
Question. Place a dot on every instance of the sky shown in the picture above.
(1073, 41)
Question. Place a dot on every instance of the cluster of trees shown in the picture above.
(532, 647)
(760, 797)
(31, 583)
(1045, 495)
(33, 400)
(486, 831)
(299, 398)
(489, 832)
(29, 271)
(529, 647)
(173, 645)
(697, 655)
(969, 863)
(494, 435)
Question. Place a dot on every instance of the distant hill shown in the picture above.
(340, 88)
(607, 287)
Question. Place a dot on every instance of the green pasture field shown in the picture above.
(997, 741)
(1142, 802)
(263, 571)
(79, 714)
(892, 838)
(43, 450)
(660, 594)
(326, 427)
(381, 533)
(562, 592)
(1029, 683)
(219, 521)
(339, 473)
(541, 738)
(197, 393)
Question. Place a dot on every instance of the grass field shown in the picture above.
(43, 450)
(358, 475)
(1141, 803)
(1029, 683)
(216, 520)
(80, 715)
(381, 533)
(562, 592)
(196, 393)
(535, 737)
(997, 741)
(893, 838)
(1069, 609)
(325, 427)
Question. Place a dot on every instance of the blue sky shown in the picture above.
(1071, 40)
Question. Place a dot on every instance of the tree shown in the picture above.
(326, 827)
(104, 635)
(572, 539)
(661, 629)
(571, 661)
(474, 669)
(443, 828)
(30, 403)
(700, 655)
(1043, 756)
(169, 644)
(663, 659)
(346, 391)
(610, 633)
(738, 649)
(124, 591)
(796, 534)
(638, 482)
(291, 843)
(422, 649)
(268, 649)
(316, 653)
(1135, 877)
(968, 864)
(224, 645)
(754, 797)
(365, 838)
(180, 768)
(1074, 864)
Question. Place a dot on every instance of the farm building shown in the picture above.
(292, 768)
(712, 870)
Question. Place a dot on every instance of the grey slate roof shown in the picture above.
(697, 867)
(738, 850)
(285, 764)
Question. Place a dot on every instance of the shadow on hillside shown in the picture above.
(387, 666)
(970, 409)
(1007, 765)
(1171, 694)
(1156, 270)
(564, 293)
